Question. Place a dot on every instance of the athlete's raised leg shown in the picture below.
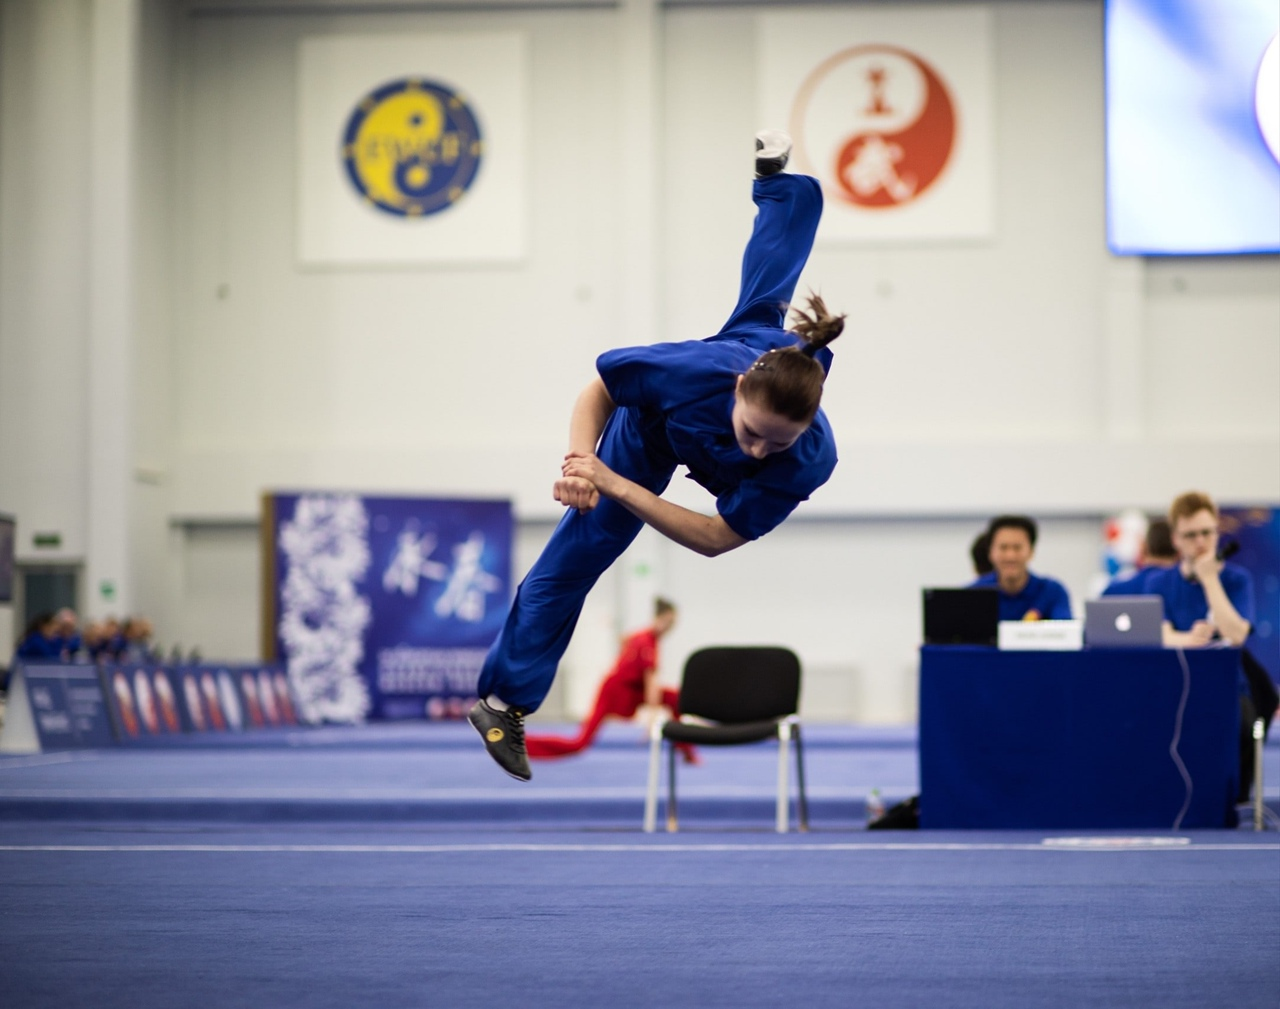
(790, 207)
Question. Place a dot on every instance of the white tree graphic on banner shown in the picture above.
(323, 620)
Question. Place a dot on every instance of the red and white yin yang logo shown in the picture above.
(876, 124)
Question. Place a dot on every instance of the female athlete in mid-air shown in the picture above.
(739, 409)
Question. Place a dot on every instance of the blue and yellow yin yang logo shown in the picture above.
(412, 147)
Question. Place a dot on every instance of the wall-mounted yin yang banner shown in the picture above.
(411, 149)
(890, 108)
(384, 607)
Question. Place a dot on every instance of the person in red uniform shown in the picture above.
(632, 682)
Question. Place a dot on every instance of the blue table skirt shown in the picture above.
(1054, 740)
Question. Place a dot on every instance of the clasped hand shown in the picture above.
(1200, 634)
(584, 477)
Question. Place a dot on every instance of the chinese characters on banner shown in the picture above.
(385, 607)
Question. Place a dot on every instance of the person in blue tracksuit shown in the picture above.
(1024, 595)
(739, 409)
(1158, 554)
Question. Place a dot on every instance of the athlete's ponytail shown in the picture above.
(788, 381)
(817, 327)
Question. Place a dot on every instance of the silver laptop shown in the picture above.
(1123, 622)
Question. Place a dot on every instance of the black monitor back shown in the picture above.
(961, 616)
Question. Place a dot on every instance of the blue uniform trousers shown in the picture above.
(522, 662)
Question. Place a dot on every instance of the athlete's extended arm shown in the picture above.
(591, 412)
(708, 535)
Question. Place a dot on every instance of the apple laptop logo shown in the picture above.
(1123, 623)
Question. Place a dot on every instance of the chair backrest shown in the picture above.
(735, 684)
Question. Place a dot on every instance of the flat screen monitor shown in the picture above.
(1193, 126)
(961, 616)
(8, 528)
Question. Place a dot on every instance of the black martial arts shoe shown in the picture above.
(773, 150)
(503, 735)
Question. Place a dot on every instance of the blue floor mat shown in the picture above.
(314, 916)
(391, 867)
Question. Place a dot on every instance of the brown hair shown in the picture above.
(1159, 541)
(661, 606)
(788, 381)
(1191, 503)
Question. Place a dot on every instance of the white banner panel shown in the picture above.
(891, 109)
(411, 149)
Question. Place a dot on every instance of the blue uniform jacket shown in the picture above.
(1134, 585)
(1184, 600)
(682, 395)
(1044, 595)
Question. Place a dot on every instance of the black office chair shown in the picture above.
(730, 696)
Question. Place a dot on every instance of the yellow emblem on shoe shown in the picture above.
(494, 735)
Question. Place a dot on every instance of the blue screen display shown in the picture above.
(1193, 126)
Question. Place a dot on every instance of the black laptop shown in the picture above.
(961, 616)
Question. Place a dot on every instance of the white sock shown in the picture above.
(496, 702)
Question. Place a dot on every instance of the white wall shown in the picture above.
(44, 208)
(154, 393)
(957, 353)
(447, 380)
(1031, 372)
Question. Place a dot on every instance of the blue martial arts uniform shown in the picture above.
(674, 406)
(1044, 595)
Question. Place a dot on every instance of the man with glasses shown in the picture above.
(1204, 597)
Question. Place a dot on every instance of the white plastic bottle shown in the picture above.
(875, 805)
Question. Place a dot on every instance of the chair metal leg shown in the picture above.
(784, 754)
(1259, 730)
(655, 759)
(803, 805)
(673, 822)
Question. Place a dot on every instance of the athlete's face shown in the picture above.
(761, 432)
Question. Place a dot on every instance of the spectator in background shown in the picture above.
(104, 640)
(632, 682)
(1158, 554)
(980, 554)
(1023, 595)
(68, 629)
(42, 640)
(136, 634)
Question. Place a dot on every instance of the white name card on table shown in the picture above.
(1041, 635)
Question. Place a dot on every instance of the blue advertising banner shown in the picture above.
(142, 702)
(58, 706)
(149, 702)
(384, 607)
(1257, 530)
(66, 705)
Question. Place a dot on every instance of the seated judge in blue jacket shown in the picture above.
(1206, 601)
(1158, 555)
(1023, 595)
(1204, 598)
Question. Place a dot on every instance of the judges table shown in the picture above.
(1077, 739)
